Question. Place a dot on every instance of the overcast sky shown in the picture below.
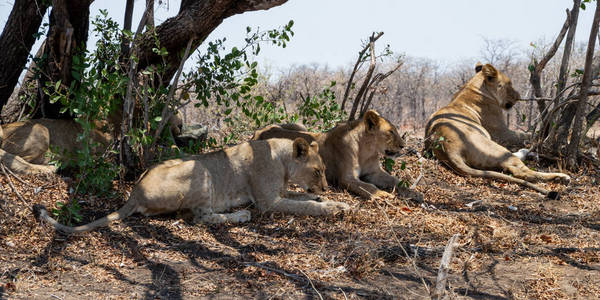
(330, 31)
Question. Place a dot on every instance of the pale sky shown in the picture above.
(330, 31)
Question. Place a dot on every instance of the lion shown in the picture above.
(464, 134)
(211, 183)
(351, 152)
(32, 139)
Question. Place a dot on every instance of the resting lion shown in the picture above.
(32, 139)
(351, 152)
(209, 184)
(462, 135)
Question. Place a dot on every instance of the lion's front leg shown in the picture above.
(363, 189)
(205, 215)
(300, 196)
(381, 179)
(304, 208)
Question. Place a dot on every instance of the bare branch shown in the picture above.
(357, 65)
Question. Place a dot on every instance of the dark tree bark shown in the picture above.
(196, 19)
(127, 20)
(573, 148)
(150, 8)
(15, 107)
(16, 41)
(69, 22)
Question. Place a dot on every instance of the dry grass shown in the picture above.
(542, 250)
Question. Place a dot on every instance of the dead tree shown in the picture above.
(567, 115)
(536, 67)
(573, 147)
(368, 88)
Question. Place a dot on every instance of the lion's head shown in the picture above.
(310, 170)
(498, 86)
(383, 134)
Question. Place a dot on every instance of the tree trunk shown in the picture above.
(196, 19)
(69, 22)
(573, 148)
(15, 106)
(16, 41)
(567, 116)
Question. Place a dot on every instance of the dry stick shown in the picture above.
(367, 79)
(311, 284)
(421, 162)
(19, 178)
(355, 69)
(442, 277)
(13, 186)
(278, 271)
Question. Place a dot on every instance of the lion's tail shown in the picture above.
(127, 210)
(461, 166)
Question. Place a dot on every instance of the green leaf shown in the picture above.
(389, 164)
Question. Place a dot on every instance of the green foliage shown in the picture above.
(321, 112)
(66, 213)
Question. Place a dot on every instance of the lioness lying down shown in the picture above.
(460, 134)
(209, 184)
(351, 152)
(32, 139)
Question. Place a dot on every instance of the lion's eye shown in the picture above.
(317, 172)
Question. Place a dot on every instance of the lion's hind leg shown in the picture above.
(514, 165)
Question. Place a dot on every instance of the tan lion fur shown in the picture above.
(210, 184)
(465, 134)
(351, 151)
(32, 139)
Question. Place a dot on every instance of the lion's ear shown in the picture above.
(489, 72)
(300, 148)
(371, 119)
(478, 67)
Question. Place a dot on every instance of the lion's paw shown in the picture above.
(563, 178)
(333, 207)
(381, 195)
(241, 216)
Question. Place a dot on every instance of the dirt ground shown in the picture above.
(513, 244)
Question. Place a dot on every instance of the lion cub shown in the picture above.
(209, 184)
(351, 152)
(462, 134)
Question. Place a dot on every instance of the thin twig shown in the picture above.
(13, 186)
(19, 178)
(311, 284)
(278, 271)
